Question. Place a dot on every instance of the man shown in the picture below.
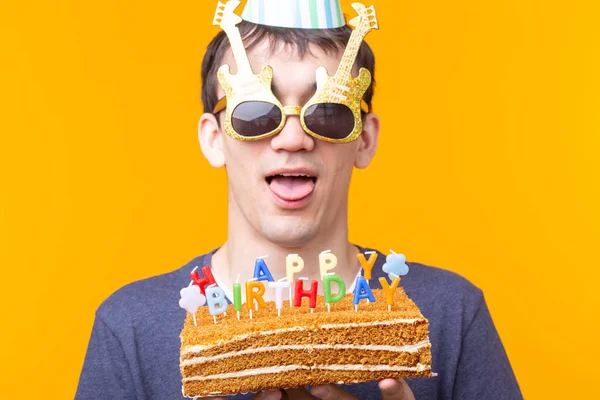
(288, 180)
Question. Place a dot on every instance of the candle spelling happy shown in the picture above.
(261, 271)
(206, 280)
(327, 262)
(367, 265)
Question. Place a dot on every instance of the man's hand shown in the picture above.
(391, 389)
(265, 395)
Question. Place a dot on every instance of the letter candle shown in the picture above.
(311, 293)
(362, 291)
(208, 278)
(327, 262)
(191, 299)
(367, 265)
(293, 264)
(217, 303)
(279, 286)
(261, 271)
(257, 294)
(389, 289)
(237, 296)
(327, 279)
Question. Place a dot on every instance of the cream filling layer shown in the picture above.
(410, 348)
(197, 348)
(287, 368)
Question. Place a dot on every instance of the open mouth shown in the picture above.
(291, 190)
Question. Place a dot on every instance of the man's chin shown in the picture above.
(291, 234)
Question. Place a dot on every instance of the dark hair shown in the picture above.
(329, 40)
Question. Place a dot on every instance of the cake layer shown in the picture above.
(396, 332)
(274, 356)
(291, 376)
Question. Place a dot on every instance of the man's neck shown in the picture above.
(238, 255)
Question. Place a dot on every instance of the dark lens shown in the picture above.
(335, 121)
(255, 118)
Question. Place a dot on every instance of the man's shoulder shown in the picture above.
(137, 301)
(438, 292)
(425, 279)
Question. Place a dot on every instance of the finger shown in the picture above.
(298, 394)
(331, 392)
(210, 398)
(268, 395)
(395, 389)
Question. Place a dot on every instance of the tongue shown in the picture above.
(292, 188)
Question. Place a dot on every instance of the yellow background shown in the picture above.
(488, 166)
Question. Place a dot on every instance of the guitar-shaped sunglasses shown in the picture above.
(252, 111)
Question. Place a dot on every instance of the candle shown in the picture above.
(389, 290)
(329, 298)
(279, 286)
(311, 293)
(362, 291)
(367, 265)
(327, 262)
(217, 303)
(191, 300)
(207, 280)
(293, 264)
(237, 298)
(254, 292)
(395, 265)
(261, 271)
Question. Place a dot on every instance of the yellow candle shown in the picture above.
(389, 289)
(327, 262)
(293, 264)
(367, 265)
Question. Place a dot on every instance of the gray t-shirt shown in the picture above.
(133, 351)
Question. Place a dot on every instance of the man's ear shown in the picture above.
(211, 140)
(368, 140)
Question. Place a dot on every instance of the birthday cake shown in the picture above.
(319, 341)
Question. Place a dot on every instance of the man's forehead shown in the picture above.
(286, 57)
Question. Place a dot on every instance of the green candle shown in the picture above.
(327, 279)
(237, 296)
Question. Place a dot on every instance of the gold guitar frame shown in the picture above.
(340, 88)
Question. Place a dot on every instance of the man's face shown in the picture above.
(290, 188)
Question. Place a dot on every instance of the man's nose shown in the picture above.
(292, 137)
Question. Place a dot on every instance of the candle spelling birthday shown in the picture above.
(203, 289)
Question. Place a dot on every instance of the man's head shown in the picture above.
(268, 194)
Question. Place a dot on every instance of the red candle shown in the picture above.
(207, 280)
(300, 293)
